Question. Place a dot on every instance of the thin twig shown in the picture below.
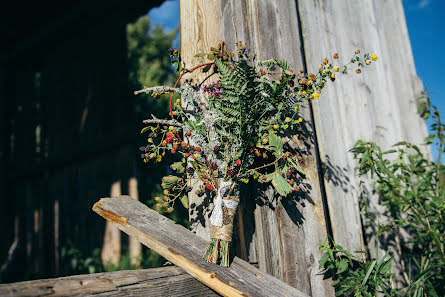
(155, 120)
(158, 89)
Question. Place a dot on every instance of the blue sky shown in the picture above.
(426, 30)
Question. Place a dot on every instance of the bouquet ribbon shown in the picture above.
(216, 219)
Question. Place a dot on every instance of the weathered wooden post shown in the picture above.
(286, 235)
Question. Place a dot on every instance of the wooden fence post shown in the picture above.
(134, 246)
(111, 248)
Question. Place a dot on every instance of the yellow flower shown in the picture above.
(300, 119)
(150, 140)
(159, 158)
(265, 140)
(336, 68)
(171, 128)
(151, 156)
(368, 62)
(357, 51)
(245, 180)
(276, 126)
(178, 101)
(258, 144)
(296, 108)
(374, 57)
(325, 72)
(271, 131)
(286, 126)
(299, 93)
(145, 160)
(304, 92)
(320, 66)
(287, 119)
(256, 175)
(315, 95)
(166, 192)
(332, 75)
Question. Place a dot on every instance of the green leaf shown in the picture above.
(185, 201)
(281, 185)
(276, 144)
(368, 273)
(179, 167)
(323, 260)
(169, 181)
(386, 267)
(342, 265)
(297, 167)
(145, 129)
(267, 179)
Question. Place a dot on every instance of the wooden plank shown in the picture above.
(166, 281)
(185, 249)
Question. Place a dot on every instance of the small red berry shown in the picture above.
(238, 162)
(186, 155)
(197, 149)
(173, 151)
(209, 187)
(169, 139)
(188, 133)
(183, 145)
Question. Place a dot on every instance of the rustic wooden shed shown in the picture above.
(280, 237)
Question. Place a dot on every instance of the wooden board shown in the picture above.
(185, 249)
(377, 105)
(167, 281)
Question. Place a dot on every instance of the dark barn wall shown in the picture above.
(65, 101)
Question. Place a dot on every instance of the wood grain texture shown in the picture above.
(377, 105)
(199, 30)
(185, 249)
(166, 281)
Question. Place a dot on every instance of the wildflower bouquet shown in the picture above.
(230, 132)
